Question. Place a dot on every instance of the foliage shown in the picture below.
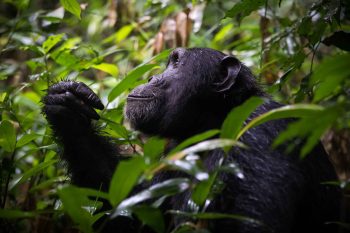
(293, 46)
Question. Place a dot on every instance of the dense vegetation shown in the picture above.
(299, 51)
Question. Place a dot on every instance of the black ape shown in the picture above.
(194, 94)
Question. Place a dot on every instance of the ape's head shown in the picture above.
(195, 93)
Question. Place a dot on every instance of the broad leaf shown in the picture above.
(7, 136)
(235, 119)
(199, 147)
(209, 215)
(153, 148)
(202, 190)
(329, 75)
(25, 176)
(163, 189)
(72, 6)
(108, 68)
(194, 139)
(289, 111)
(74, 200)
(244, 8)
(310, 127)
(51, 42)
(125, 178)
(151, 216)
(26, 139)
(129, 80)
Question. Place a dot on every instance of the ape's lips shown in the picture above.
(140, 97)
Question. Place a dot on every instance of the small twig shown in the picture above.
(8, 180)
(314, 50)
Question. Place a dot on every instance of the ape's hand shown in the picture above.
(70, 104)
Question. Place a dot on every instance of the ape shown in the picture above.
(195, 93)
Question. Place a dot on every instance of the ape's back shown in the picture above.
(285, 192)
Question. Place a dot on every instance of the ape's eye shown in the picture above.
(175, 58)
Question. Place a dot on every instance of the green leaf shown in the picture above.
(310, 127)
(235, 119)
(119, 129)
(305, 28)
(25, 176)
(289, 111)
(51, 42)
(46, 184)
(153, 148)
(74, 200)
(210, 215)
(163, 189)
(72, 6)
(164, 54)
(329, 75)
(189, 167)
(151, 216)
(202, 190)
(244, 8)
(129, 80)
(199, 147)
(194, 139)
(13, 214)
(124, 179)
(108, 68)
(123, 32)
(26, 139)
(7, 136)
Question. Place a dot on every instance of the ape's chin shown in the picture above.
(144, 115)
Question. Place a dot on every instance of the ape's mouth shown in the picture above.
(140, 97)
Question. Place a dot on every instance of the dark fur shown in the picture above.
(194, 94)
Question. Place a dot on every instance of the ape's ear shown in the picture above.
(230, 67)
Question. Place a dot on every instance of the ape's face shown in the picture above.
(173, 101)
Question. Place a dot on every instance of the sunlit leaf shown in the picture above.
(26, 139)
(165, 188)
(209, 215)
(164, 54)
(7, 136)
(199, 147)
(220, 35)
(51, 42)
(108, 68)
(194, 139)
(190, 167)
(129, 80)
(123, 32)
(72, 6)
(124, 179)
(289, 111)
(235, 119)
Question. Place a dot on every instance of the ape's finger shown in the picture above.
(69, 100)
(80, 90)
(87, 95)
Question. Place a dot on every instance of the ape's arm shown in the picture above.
(69, 108)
